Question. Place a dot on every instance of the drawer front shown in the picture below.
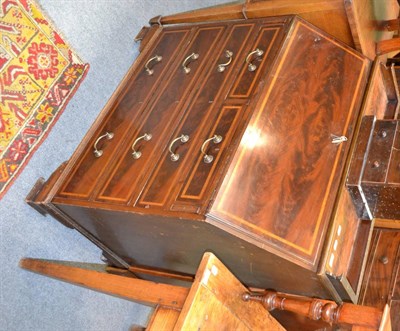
(257, 59)
(199, 180)
(203, 171)
(381, 278)
(281, 185)
(126, 180)
(195, 122)
(381, 284)
(124, 109)
(380, 182)
(377, 164)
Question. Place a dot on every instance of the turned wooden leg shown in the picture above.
(367, 318)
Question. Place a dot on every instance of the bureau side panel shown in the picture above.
(178, 244)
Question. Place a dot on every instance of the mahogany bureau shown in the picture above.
(232, 137)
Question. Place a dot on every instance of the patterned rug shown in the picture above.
(39, 73)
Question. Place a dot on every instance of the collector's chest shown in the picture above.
(232, 137)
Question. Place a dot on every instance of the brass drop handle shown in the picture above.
(221, 67)
(193, 56)
(99, 152)
(157, 59)
(184, 138)
(137, 154)
(216, 139)
(258, 52)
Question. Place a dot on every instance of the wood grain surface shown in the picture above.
(268, 221)
(122, 114)
(286, 176)
(194, 122)
(129, 175)
(216, 296)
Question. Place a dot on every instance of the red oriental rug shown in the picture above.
(39, 73)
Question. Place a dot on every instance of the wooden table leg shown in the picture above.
(95, 277)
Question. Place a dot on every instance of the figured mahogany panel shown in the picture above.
(160, 121)
(279, 191)
(196, 119)
(124, 111)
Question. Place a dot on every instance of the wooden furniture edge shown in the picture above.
(133, 289)
(32, 197)
(237, 10)
(314, 11)
(163, 319)
(396, 90)
(144, 36)
(210, 275)
(39, 199)
(388, 46)
(161, 273)
(387, 224)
